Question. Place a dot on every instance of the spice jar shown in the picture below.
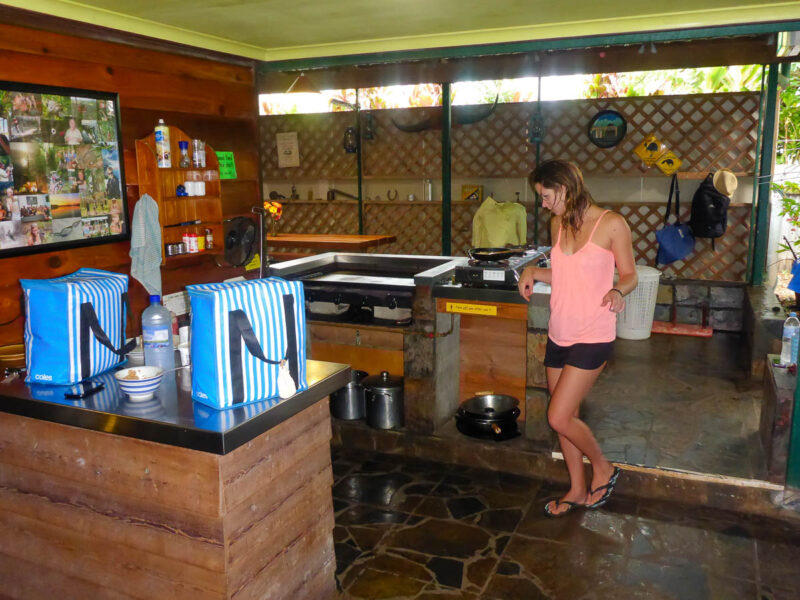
(209, 240)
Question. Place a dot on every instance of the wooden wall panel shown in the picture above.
(108, 516)
(212, 100)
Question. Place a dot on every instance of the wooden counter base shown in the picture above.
(85, 514)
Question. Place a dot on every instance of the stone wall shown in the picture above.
(716, 304)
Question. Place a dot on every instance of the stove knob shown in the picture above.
(392, 302)
(337, 300)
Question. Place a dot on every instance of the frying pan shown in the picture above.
(494, 253)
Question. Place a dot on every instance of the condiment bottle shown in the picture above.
(201, 242)
(184, 160)
(209, 240)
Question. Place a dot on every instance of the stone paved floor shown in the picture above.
(407, 528)
(679, 402)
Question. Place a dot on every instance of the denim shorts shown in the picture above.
(582, 356)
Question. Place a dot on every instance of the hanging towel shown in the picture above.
(146, 245)
(497, 224)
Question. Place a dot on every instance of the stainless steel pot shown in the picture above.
(348, 403)
(384, 396)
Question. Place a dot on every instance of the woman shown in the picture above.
(588, 243)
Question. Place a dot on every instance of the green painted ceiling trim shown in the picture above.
(67, 9)
(468, 51)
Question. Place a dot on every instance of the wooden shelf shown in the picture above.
(212, 197)
(179, 257)
(160, 184)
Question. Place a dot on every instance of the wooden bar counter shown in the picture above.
(104, 498)
(316, 241)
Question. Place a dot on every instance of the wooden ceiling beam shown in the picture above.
(757, 49)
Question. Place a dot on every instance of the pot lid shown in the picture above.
(383, 381)
(356, 376)
(490, 406)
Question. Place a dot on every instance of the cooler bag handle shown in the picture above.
(90, 324)
(239, 327)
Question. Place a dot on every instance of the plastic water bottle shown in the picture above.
(157, 335)
(790, 341)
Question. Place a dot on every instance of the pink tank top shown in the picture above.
(580, 280)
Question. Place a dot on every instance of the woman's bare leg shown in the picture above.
(572, 456)
(571, 388)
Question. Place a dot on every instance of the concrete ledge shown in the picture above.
(521, 456)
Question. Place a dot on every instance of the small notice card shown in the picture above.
(288, 153)
(227, 168)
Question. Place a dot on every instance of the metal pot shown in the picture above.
(384, 396)
(492, 416)
(348, 402)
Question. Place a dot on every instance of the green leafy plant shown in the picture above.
(789, 192)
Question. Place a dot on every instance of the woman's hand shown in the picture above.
(615, 300)
(526, 281)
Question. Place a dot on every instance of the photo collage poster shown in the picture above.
(60, 178)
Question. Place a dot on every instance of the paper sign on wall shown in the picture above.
(227, 167)
(288, 152)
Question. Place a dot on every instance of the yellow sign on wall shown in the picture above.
(471, 309)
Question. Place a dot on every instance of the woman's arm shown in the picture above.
(531, 275)
(622, 248)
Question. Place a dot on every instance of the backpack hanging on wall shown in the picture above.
(709, 217)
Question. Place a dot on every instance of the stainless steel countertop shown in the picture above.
(171, 417)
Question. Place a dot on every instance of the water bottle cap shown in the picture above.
(792, 314)
(155, 299)
(183, 145)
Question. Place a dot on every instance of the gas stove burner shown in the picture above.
(488, 263)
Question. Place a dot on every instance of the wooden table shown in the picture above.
(315, 241)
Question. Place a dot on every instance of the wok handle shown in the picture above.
(496, 429)
(469, 253)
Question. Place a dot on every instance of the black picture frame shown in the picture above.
(67, 169)
(607, 128)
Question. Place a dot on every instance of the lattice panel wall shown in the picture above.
(319, 217)
(706, 131)
(320, 140)
(417, 225)
(418, 230)
(395, 153)
(728, 262)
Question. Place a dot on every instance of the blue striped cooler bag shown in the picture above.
(243, 334)
(75, 325)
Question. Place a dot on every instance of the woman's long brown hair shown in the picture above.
(553, 174)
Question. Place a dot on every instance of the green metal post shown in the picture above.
(446, 159)
(358, 168)
(756, 172)
(765, 176)
(793, 460)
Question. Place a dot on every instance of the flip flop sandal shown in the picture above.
(608, 487)
(571, 506)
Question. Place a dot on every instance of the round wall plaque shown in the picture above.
(607, 128)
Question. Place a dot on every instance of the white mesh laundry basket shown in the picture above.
(636, 321)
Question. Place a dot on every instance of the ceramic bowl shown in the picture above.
(140, 383)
